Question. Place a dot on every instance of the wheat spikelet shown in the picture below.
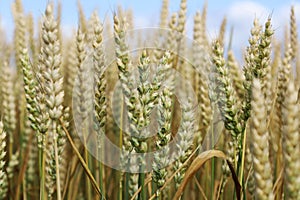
(12, 164)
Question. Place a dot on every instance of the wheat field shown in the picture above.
(115, 112)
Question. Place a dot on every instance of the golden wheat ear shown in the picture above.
(290, 143)
(3, 175)
(259, 145)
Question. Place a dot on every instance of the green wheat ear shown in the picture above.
(225, 93)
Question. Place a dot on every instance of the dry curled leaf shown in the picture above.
(197, 164)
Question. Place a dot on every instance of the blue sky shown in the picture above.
(240, 13)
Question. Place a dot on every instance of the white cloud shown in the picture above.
(244, 12)
(241, 16)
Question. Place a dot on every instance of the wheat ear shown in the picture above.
(259, 145)
(3, 175)
(291, 147)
